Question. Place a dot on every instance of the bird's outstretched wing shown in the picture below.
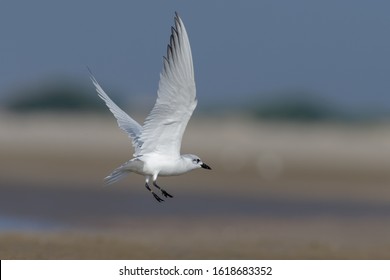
(176, 98)
(125, 122)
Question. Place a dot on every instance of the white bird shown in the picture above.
(157, 143)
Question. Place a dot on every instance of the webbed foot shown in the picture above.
(159, 199)
(164, 192)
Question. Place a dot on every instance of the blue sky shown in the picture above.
(243, 50)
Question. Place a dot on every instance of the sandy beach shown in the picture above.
(276, 191)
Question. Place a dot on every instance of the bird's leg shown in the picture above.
(162, 190)
(155, 195)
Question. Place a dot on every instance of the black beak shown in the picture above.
(205, 166)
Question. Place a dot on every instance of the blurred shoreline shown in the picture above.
(277, 190)
(83, 148)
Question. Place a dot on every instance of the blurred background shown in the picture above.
(293, 117)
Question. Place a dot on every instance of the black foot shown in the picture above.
(162, 190)
(157, 197)
(165, 193)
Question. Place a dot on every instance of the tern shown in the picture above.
(157, 143)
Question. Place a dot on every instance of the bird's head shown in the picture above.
(195, 162)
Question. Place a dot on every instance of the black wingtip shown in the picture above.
(89, 70)
(177, 19)
(91, 76)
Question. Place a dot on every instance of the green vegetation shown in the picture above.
(298, 106)
(295, 109)
(55, 96)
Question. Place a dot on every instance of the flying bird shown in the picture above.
(157, 143)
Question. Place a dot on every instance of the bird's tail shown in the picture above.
(116, 175)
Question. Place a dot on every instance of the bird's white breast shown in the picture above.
(163, 165)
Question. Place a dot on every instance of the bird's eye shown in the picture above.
(197, 160)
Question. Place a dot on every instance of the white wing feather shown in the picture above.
(164, 127)
(125, 122)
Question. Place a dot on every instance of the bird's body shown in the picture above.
(157, 143)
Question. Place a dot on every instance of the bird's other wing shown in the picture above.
(125, 122)
(176, 97)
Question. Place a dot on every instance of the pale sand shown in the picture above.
(326, 163)
(173, 239)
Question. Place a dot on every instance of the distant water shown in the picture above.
(52, 208)
(25, 224)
